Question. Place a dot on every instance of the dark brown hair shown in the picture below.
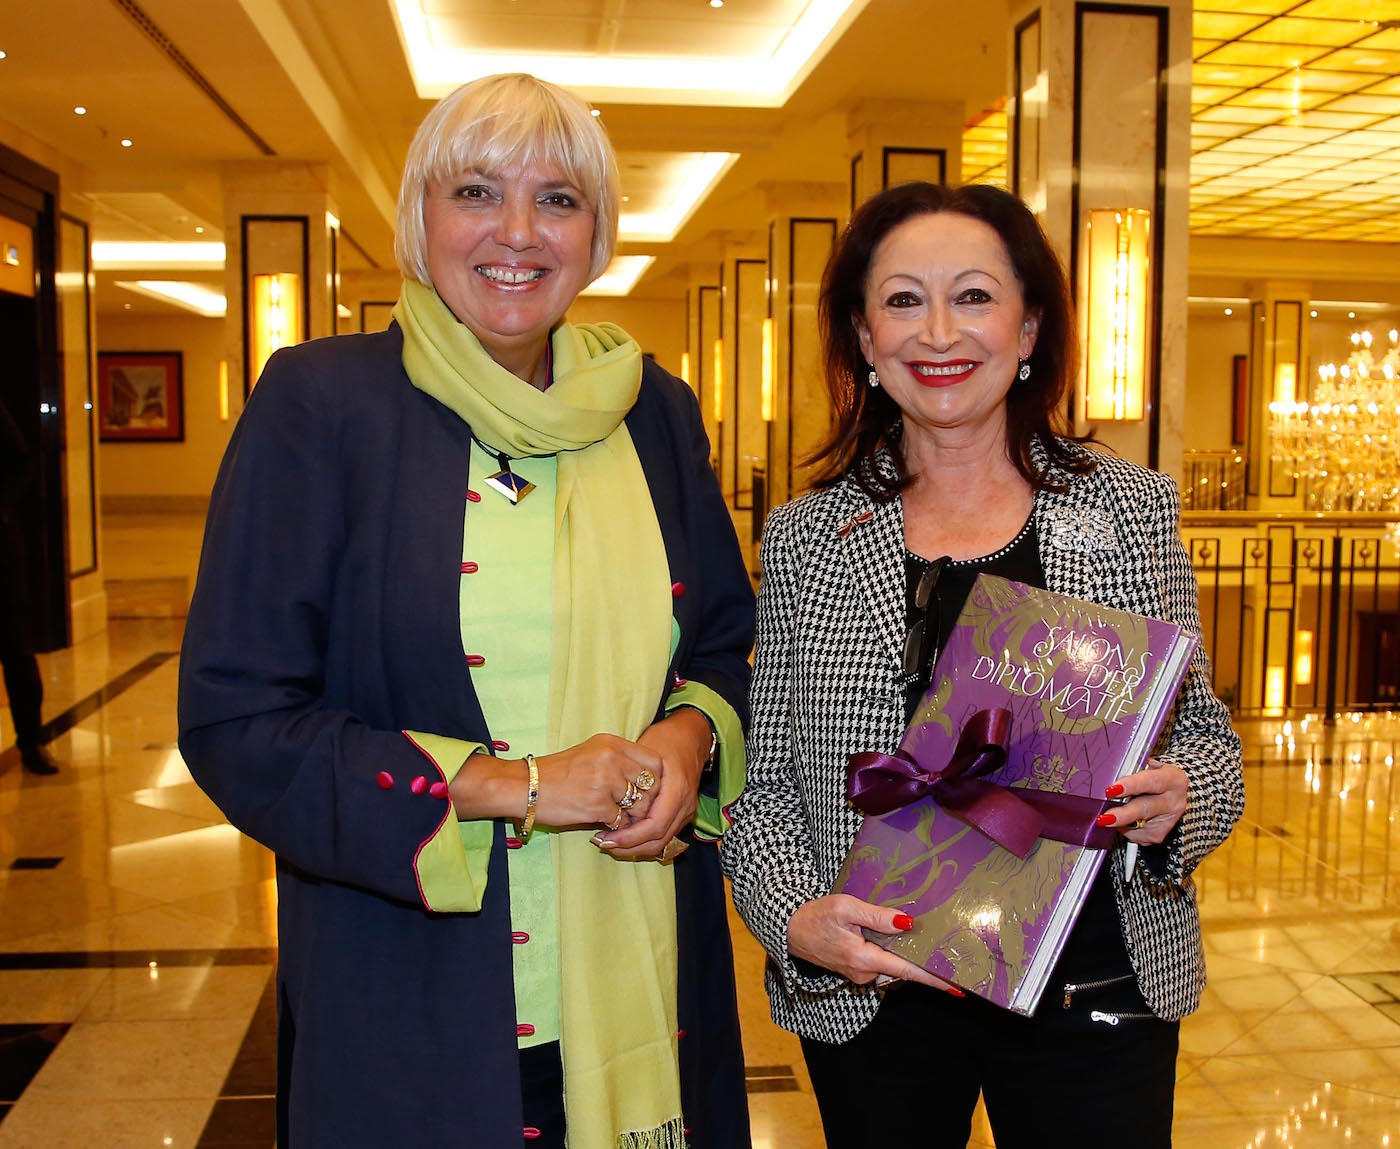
(866, 417)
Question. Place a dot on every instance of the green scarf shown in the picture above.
(611, 652)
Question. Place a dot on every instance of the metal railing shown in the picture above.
(1300, 612)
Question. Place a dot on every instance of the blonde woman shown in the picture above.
(468, 652)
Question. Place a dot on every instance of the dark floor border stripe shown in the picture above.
(86, 707)
(134, 959)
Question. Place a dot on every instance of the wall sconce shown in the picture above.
(277, 318)
(1115, 327)
(223, 390)
(685, 368)
(1303, 658)
(765, 394)
(719, 380)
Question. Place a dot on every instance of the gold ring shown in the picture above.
(645, 780)
(629, 797)
(616, 822)
(1140, 823)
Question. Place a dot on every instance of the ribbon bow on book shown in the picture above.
(1013, 818)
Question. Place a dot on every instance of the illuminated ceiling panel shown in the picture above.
(984, 148)
(750, 55)
(1295, 111)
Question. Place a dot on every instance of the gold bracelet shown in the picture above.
(531, 798)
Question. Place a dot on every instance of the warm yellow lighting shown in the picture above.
(685, 367)
(223, 390)
(196, 297)
(719, 380)
(1285, 383)
(1273, 690)
(135, 256)
(620, 276)
(441, 57)
(276, 317)
(765, 394)
(685, 180)
(1303, 658)
(1117, 312)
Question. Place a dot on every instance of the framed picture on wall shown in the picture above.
(140, 396)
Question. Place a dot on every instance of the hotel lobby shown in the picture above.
(185, 187)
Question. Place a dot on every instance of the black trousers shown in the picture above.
(912, 1077)
(542, 1095)
(25, 689)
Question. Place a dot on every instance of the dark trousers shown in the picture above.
(912, 1077)
(542, 1095)
(26, 693)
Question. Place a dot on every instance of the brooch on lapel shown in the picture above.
(845, 528)
(1086, 530)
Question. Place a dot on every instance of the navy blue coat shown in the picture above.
(325, 621)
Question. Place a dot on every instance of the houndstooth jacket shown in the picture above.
(831, 622)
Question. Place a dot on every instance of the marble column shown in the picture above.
(804, 220)
(1100, 119)
(891, 142)
(278, 217)
(1278, 359)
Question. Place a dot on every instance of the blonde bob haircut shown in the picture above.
(491, 125)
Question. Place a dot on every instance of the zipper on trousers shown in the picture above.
(1072, 988)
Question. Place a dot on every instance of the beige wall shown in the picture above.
(168, 476)
(1212, 343)
(658, 325)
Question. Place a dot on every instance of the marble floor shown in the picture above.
(137, 929)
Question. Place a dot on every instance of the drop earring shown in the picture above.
(1024, 372)
(873, 379)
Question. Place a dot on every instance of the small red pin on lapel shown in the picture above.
(864, 517)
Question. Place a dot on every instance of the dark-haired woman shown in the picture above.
(949, 345)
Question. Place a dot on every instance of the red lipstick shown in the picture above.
(950, 371)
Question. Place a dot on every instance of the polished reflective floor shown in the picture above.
(138, 933)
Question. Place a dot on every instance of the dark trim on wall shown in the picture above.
(886, 153)
(793, 222)
(91, 401)
(738, 407)
(244, 221)
(373, 303)
(1018, 80)
(1159, 197)
(857, 161)
(704, 357)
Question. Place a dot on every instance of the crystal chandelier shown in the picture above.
(1344, 442)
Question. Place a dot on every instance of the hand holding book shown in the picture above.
(831, 932)
(1154, 796)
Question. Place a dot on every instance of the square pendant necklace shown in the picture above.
(505, 482)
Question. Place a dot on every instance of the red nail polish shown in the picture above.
(955, 991)
(1113, 791)
(903, 922)
(1106, 820)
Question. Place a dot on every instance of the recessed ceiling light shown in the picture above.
(126, 143)
(627, 199)
(1351, 315)
(716, 3)
(2, 55)
(200, 231)
(1313, 314)
(1229, 311)
(597, 111)
(80, 110)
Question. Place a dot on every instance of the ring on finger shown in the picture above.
(645, 781)
(629, 797)
(616, 822)
(1140, 823)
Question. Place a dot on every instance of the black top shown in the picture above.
(1094, 950)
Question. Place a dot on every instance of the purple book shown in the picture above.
(1088, 689)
